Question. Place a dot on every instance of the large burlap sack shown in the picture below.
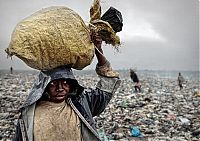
(52, 37)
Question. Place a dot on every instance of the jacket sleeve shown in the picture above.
(18, 134)
(99, 98)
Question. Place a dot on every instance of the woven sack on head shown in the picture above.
(52, 37)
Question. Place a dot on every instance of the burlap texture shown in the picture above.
(103, 28)
(52, 37)
(106, 32)
(95, 11)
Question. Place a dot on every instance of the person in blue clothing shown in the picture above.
(58, 108)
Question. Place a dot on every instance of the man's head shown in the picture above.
(59, 89)
(41, 87)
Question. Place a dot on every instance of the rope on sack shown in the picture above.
(99, 51)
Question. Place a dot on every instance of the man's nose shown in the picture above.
(59, 86)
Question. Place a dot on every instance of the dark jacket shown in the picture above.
(134, 77)
(86, 103)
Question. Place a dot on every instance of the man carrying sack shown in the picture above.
(57, 107)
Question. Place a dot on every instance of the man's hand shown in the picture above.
(103, 67)
(97, 40)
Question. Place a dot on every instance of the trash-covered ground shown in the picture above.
(161, 112)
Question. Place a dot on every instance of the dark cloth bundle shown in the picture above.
(114, 18)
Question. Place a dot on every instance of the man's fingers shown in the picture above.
(96, 38)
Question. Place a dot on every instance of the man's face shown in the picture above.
(58, 90)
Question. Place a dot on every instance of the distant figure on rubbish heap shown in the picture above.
(59, 109)
(136, 81)
(180, 80)
(11, 70)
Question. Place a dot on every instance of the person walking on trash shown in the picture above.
(180, 81)
(135, 79)
(59, 109)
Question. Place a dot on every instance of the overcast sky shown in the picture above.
(157, 34)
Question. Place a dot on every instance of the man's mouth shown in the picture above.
(60, 95)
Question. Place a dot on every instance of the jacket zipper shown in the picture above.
(83, 119)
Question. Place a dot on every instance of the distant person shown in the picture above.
(180, 81)
(136, 81)
(11, 70)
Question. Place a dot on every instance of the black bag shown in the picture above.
(114, 18)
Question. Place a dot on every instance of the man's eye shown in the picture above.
(53, 83)
(65, 82)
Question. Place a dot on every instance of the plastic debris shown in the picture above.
(135, 132)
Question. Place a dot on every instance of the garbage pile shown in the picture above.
(161, 112)
(13, 91)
